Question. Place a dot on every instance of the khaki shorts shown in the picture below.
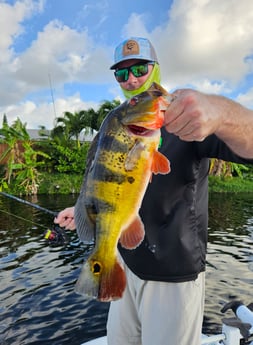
(157, 313)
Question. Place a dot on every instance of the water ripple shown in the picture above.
(37, 300)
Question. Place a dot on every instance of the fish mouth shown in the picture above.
(140, 131)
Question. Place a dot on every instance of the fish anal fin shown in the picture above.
(160, 164)
(133, 235)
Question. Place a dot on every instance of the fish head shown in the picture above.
(145, 111)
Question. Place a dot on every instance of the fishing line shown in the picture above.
(24, 219)
(55, 236)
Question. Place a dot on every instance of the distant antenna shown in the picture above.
(52, 94)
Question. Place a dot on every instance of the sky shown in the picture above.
(55, 54)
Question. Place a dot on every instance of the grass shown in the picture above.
(230, 185)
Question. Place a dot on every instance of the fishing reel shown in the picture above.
(56, 236)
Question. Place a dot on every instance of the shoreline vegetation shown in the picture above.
(60, 183)
(55, 162)
(71, 184)
(230, 185)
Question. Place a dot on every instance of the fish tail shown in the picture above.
(87, 283)
(100, 282)
(112, 283)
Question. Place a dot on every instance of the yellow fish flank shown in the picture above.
(120, 164)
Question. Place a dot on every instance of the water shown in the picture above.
(37, 300)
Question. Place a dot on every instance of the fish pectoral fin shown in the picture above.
(133, 235)
(103, 283)
(134, 155)
(160, 164)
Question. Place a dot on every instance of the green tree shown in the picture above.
(94, 119)
(66, 152)
(70, 126)
(104, 110)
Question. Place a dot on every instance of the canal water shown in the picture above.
(38, 304)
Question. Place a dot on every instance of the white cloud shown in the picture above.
(246, 98)
(58, 53)
(53, 51)
(135, 26)
(65, 53)
(10, 23)
(202, 39)
(206, 39)
(62, 52)
(43, 114)
(203, 85)
(205, 44)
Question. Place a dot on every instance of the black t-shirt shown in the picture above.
(175, 212)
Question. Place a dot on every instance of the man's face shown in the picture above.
(133, 83)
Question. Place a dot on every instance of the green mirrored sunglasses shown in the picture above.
(138, 70)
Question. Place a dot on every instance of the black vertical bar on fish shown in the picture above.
(29, 203)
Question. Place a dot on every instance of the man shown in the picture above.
(164, 299)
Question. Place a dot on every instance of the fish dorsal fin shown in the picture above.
(133, 235)
(160, 164)
(85, 225)
(157, 87)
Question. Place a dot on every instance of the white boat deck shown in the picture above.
(233, 330)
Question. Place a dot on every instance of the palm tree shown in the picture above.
(70, 125)
(91, 120)
(104, 109)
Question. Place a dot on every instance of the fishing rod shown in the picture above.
(29, 204)
(55, 236)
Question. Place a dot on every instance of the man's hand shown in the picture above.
(190, 116)
(193, 116)
(65, 219)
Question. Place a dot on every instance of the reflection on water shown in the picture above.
(230, 254)
(37, 300)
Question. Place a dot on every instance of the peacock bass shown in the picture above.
(120, 163)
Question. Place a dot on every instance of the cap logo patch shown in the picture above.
(131, 47)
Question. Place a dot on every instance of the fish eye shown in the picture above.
(133, 101)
